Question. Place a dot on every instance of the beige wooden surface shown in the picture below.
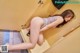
(69, 44)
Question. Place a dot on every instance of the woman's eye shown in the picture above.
(69, 16)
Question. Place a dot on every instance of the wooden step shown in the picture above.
(37, 49)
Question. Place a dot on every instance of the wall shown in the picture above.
(69, 44)
(13, 13)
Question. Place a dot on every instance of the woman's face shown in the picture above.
(68, 17)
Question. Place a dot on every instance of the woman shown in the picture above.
(38, 25)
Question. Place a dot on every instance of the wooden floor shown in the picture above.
(11, 38)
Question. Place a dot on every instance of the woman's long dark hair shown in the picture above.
(64, 14)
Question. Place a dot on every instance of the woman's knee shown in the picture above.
(40, 40)
(32, 45)
(40, 43)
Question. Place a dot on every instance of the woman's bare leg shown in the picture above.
(34, 35)
(40, 38)
(35, 30)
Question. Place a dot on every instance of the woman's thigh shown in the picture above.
(35, 29)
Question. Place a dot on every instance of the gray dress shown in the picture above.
(49, 20)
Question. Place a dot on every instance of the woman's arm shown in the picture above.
(44, 28)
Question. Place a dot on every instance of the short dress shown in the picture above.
(48, 20)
